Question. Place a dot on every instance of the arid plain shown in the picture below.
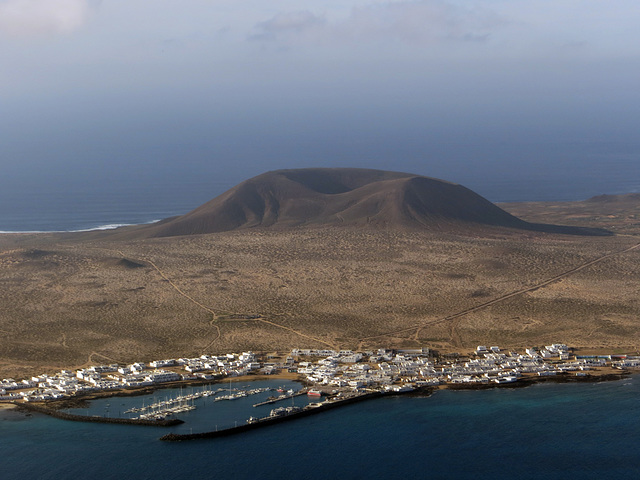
(67, 301)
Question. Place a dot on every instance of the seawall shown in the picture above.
(177, 437)
(96, 419)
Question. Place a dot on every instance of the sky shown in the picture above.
(112, 91)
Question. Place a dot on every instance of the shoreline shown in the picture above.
(78, 400)
(30, 407)
(530, 381)
(98, 228)
(578, 198)
(426, 391)
(81, 399)
(53, 407)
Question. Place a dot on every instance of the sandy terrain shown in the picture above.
(66, 303)
(617, 213)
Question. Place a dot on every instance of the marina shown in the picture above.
(241, 394)
(206, 414)
(148, 422)
(276, 416)
(280, 398)
(424, 430)
(160, 410)
(332, 378)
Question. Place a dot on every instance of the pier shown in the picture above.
(97, 419)
(280, 398)
(267, 421)
(169, 406)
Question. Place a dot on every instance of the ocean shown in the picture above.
(585, 430)
(74, 203)
(92, 205)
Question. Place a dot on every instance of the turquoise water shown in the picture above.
(588, 431)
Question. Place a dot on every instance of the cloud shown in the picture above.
(284, 23)
(41, 17)
(410, 21)
(422, 21)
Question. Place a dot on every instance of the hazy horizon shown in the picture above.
(98, 94)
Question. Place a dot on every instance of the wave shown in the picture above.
(109, 226)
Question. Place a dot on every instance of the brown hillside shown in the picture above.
(342, 196)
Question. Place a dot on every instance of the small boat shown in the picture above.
(314, 393)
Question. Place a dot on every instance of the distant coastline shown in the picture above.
(90, 204)
(110, 226)
(88, 225)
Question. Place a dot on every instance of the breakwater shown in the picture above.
(530, 380)
(97, 419)
(280, 398)
(323, 407)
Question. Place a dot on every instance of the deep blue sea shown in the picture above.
(586, 431)
(60, 206)
(67, 203)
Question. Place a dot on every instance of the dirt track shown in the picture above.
(62, 301)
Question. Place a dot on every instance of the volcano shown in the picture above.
(295, 198)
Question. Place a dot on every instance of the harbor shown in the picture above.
(147, 422)
(205, 413)
(216, 398)
(286, 396)
(279, 415)
(160, 410)
(432, 426)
